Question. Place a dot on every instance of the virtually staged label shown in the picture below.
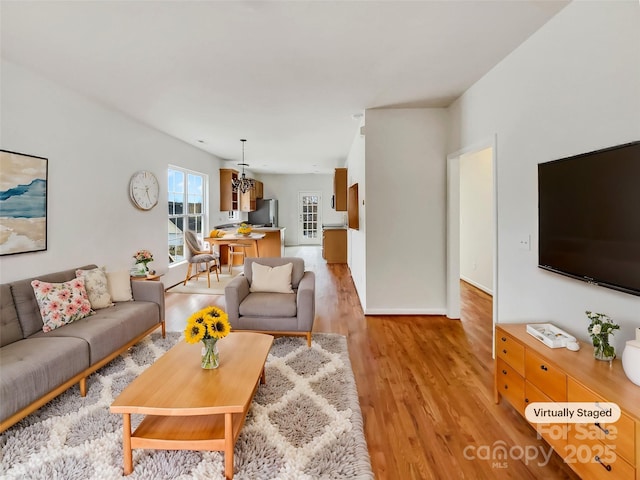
(572, 412)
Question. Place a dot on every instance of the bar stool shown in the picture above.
(237, 249)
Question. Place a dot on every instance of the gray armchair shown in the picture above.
(274, 313)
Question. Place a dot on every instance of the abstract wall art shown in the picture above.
(23, 203)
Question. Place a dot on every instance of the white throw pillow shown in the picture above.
(119, 286)
(271, 279)
(95, 281)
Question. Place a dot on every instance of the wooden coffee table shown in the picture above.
(189, 408)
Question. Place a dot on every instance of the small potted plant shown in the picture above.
(143, 257)
(599, 329)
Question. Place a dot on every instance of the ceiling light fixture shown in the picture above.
(242, 184)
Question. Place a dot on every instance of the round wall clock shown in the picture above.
(144, 189)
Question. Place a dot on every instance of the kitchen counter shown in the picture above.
(270, 243)
(268, 229)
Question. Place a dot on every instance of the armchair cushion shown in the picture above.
(263, 304)
(271, 279)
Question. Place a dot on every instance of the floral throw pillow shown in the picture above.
(61, 303)
(95, 281)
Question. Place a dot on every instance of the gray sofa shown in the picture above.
(36, 366)
(274, 313)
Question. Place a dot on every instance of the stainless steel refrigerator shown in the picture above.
(266, 213)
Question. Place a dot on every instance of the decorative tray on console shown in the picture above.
(550, 335)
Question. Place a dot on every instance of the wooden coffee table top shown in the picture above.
(176, 384)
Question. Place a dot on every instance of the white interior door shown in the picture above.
(309, 218)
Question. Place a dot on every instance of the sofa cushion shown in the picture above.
(119, 284)
(271, 279)
(61, 303)
(10, 330)
(95, 281)
(26, 303)
(110, 328)
(269, 305)
(33, 367)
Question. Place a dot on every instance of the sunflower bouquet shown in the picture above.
(208, 326)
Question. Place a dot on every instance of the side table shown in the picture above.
(153, 278)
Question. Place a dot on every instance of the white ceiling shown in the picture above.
(287, 76)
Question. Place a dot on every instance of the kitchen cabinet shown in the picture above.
(248, 200)
(228, 198)
(334, 245)
(353, 207)
(340, 190)
(259, 186)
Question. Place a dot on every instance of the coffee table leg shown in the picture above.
(228, 446)
(126, 444)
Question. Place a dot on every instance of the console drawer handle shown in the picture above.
(605, 430)
(506, 387)
(544, 368)
(607, 467)
(504, 351)
(504, 339)
(504, 372)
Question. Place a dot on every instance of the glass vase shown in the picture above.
(604, 351)
(210, 354)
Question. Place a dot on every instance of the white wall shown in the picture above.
(357, 239)
(405, 171)
(572, 87)
(285, 188)
(476, 219)
(92, 152)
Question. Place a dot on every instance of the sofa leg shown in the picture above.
(164, 330)
(309, 339)
(83, 386)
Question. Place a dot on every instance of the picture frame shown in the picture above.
(23, 203)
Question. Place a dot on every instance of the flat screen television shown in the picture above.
(589, 217)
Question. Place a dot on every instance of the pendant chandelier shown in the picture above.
(242, 184)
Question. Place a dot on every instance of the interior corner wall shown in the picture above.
(572, 87)
(405, 170)
(92, 153)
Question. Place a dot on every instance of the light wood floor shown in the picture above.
(425, 384)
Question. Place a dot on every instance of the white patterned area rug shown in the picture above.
(305, 423)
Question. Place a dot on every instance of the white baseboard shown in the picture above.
(477, 285)
(405, 311)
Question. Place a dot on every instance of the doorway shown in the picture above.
(464, 259)
(309, 218)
